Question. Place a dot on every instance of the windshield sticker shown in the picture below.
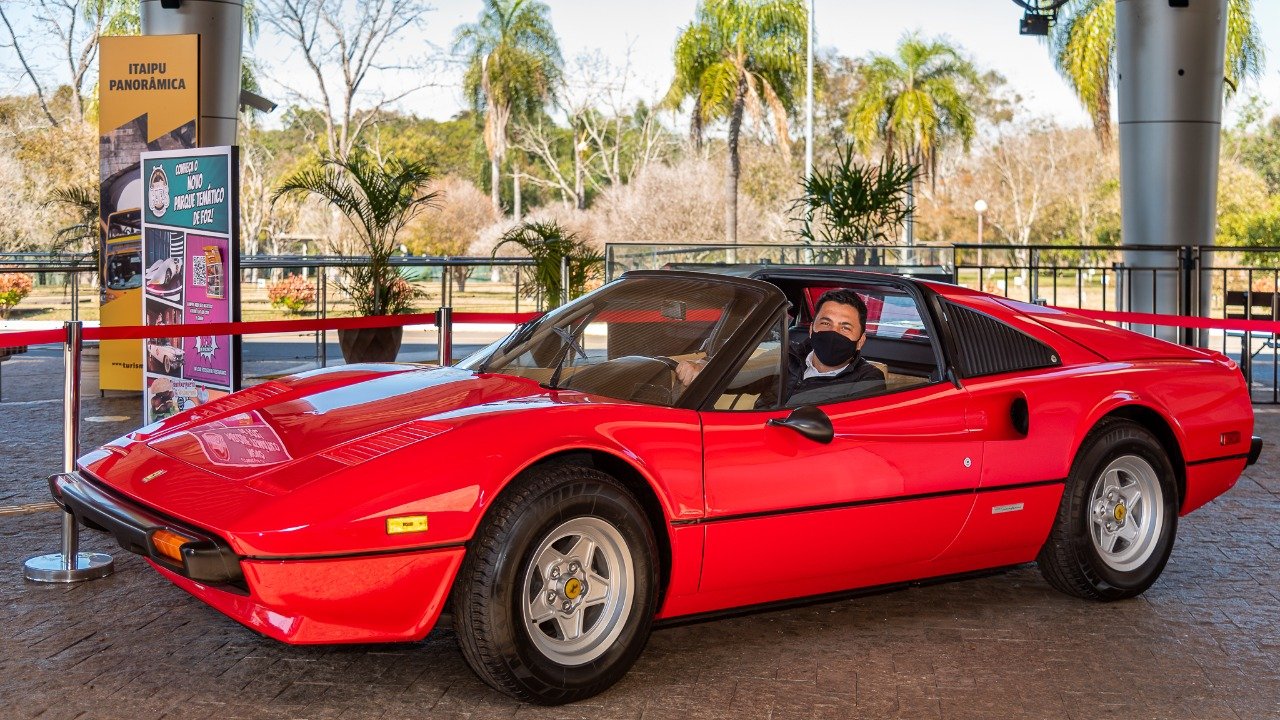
(244, 440)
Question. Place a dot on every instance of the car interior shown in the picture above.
(898, 341)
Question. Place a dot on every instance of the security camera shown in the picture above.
(255, 101)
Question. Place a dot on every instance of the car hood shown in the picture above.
(219, 462)
(301, 422)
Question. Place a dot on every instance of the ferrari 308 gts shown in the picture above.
(563, 489)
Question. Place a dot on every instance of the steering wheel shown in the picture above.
(669, 362)
(634, 375)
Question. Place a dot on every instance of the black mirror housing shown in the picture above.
(810, 421)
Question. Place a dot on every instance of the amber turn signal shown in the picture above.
(406, 524)
(169, 544)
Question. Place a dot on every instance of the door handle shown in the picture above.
(809, 421)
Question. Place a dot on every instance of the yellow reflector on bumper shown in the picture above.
(169, 544)
(406, 524)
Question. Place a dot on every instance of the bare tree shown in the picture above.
(613, 136)
(341, 43)
(538, 140)
(1023, 178)
(74, 27)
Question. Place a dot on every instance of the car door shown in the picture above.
(788, 516)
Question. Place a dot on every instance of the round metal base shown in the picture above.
(51, 568)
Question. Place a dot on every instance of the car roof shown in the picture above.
(704, 276)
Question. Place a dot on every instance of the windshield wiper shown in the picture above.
(517, 336)
(570, 343)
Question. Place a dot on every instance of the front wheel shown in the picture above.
(1118, 516)
(555, 599)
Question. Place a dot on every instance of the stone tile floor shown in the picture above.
(1203, 643)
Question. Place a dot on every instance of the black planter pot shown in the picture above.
(370, 344)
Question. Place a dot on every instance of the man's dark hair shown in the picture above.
(848, 297)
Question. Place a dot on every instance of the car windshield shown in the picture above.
(626, 339)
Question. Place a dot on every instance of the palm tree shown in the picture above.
(914, 103)
(513, 68)
(1084, 49)
(738, 57)
(379, 198)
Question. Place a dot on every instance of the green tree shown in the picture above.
(1083, 44)
(378, 198)
(739, 57)
(513, 68)
(915, 102)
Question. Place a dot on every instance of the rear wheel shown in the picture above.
(1118, 516)
(555, 599)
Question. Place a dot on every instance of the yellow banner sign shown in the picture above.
(153, 74)
(148, 99)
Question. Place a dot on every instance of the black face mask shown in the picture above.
(832, 348)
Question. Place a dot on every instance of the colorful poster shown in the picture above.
(149, 99)
(190, 242)
(208, 357)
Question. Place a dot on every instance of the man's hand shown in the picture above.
(688, 370)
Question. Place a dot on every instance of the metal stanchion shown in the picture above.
(323, 279)
(564, 280)
(70, 565)
(444, 336)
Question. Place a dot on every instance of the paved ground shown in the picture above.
(1203, 643)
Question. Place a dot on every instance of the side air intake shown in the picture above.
(987, 346)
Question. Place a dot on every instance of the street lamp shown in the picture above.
(980, 207)
(808, 96)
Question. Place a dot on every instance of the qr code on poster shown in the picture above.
(197, 271)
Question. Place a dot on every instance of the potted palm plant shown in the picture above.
(553, 248)
(378, 197)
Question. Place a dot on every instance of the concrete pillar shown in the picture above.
(1169, 64)
(219, 23)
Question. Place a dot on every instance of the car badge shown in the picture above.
(1120, 512)
(153, 476)
(573, 588)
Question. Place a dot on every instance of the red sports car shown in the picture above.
(566, 487)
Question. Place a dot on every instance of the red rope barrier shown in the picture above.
(1201, 323)
(503, 318)
(140, 332)
(32, 337)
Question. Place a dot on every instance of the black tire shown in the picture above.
(493, 587)
(1072, 560)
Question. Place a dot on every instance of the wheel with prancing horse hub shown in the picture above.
(1117, 518)
(555, 598)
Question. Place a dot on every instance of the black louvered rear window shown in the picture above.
(987, 346)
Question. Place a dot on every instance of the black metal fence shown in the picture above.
(1204, 281)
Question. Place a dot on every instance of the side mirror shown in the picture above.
(809, 421)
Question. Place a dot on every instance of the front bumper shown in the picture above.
(205, 559)
(369, 597)
(359, 599)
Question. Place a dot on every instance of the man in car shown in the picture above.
(826, 364)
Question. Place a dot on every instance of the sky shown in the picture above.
(986, 29)
(646, 30)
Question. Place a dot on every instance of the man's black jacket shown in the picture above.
(858, 378)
